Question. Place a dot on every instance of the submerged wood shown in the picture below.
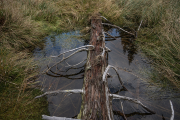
(172, 109)
(45, 117)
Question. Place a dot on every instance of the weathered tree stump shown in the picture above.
(96, 104)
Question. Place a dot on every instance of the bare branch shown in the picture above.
(74, 49)
(114, 96)
(109, 35)
(75, 64)
(105, 19)
(123, 111)
(45, 117)
(172, 116)
(61, 91)
(107, 49)
(118, 28)
(84, 49)
(105, 74)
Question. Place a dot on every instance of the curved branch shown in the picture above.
(84, 49)
(75, 64)
(172, 116)
(114, 96)
(123, 112)
(75, 49)
(61, 91)
(118, 28)
(66, 76)
(105, 74)
(105, 19)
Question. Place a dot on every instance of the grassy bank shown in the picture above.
(23, 24)
(159, 35)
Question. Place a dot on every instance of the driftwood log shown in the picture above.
(96, 99)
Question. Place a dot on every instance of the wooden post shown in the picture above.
(96, 104)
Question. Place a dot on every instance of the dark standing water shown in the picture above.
(133, 69)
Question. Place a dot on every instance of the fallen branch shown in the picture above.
(75, 64)
(84, 49)
(45, 117)
(61, 91)
(114, 96)
(118, 28)
(123, 111)
(172, 116)
(67, 75)
(74, 49)
(105, 74)
(109, 35)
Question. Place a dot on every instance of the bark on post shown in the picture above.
(96, 104)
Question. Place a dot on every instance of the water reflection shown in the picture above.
(129, 47)
(127, 41)
(131, 67)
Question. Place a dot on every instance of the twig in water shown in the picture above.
(172, 116)
(84, 49)
(114, 96)
(75, 64)
(61, 91)
(123, 111)
(75, 49)
(118, 28)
